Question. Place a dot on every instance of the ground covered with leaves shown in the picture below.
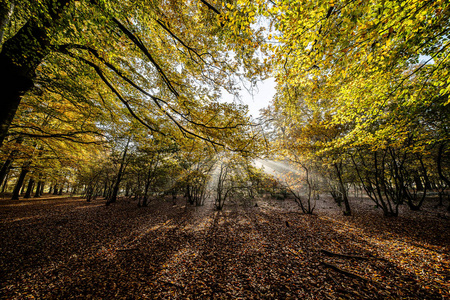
(67, 248)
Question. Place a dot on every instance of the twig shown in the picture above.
(347, 273)
(329, 253)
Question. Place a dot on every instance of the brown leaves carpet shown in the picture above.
(66, 248)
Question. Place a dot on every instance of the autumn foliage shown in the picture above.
(125, 174)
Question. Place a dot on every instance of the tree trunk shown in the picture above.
(19, 58)
(347, 211)
(5, 183)
(5, 17)
(119, 175)
(5, 169)
(41, 192)
(189, 194)
(74, 190)
(115, 191)
(127, 190)
(105, 188)
(23, 173)
(29, 188)
(38, 190)
(147, 186)
(439, 166)
(418, 182)
(22, 191)
(16, 78)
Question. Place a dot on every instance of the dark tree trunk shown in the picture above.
(41, 191)
(16, 192)
(21, 55)
(105, 188)
(115, 190)
(22, 191)
(189, 194)
(29, 188)
(5, 169)
(429, 185)
(13, 85)
(60, 191)
(127, 190)
(50, 189)
(5, 183)
(7, 164)
(439, 166)
(16, 76)
(174, 196)
(37, 194)
(347, 211)
(55, 189)
(147, 187)
(418, 183)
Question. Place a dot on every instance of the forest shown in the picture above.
(126, 174)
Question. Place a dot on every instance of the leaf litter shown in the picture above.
(71, 249)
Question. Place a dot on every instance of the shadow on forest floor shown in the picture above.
(69, 248)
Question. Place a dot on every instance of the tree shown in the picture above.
(197, 162)
(366, 88)
(123, 162)
(143, 55)
(21, 55)
(234, 178)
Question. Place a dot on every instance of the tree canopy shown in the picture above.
(361, 86)
(163, 62)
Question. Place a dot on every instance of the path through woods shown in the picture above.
(65, 248)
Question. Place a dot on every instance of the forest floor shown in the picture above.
(67, 248)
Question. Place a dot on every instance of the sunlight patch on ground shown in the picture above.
(20, 219)
(37, 203)
(40, 201)
(140, 234)
(90, 206)
(180, 257)
(176, 266)
(22, 204)
(244, 222)
(425, 264)
(203, 225)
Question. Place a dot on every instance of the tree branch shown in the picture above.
(154, 98)
(210, 7)
(141, 46)
(180, 41)
(111, 87)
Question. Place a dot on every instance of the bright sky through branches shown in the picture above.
(261, 97)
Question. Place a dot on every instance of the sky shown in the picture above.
(260, 99)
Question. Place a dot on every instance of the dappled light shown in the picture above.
(166, 251)
(133, 164)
